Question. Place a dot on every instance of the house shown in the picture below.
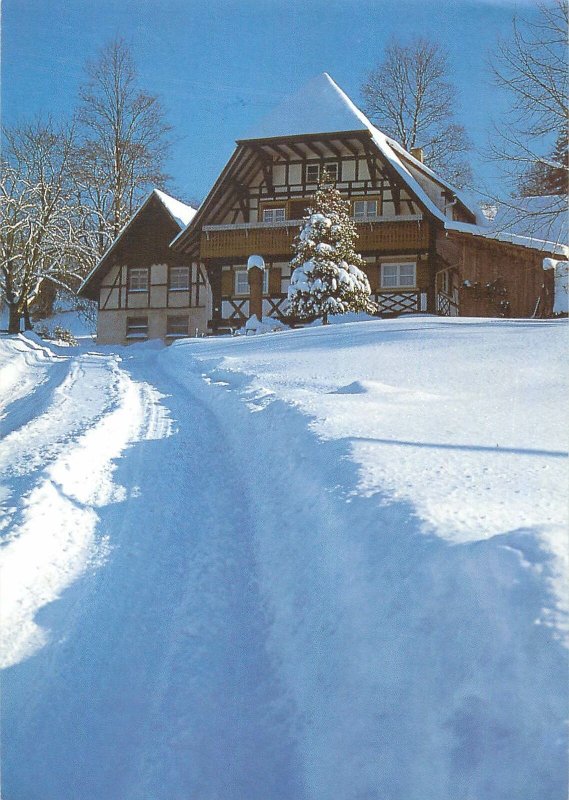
(427, 246)
(144, 288)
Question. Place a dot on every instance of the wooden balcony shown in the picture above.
(380, 234)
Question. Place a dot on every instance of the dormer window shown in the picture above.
(274, 215)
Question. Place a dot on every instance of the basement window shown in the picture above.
(398, 276)
(138, 279)
(176, 327)
(137, 328)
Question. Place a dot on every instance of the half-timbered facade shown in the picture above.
(405, 214)
(427, 247)
(143, 288)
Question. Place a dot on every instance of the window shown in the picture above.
(274, 215)
(179, 278)
(365, 208)
(398, 276)
(312, 173)
(176, 327)
(137, 328)
(242, 281)
(138, 279)
(331, 171)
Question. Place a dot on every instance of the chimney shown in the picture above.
(417, 152)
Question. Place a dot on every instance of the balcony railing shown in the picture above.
(275, 238)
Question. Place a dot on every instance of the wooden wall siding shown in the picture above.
(408, 236)
(482, 262)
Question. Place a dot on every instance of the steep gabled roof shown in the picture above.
(321, 107)
(181, 213)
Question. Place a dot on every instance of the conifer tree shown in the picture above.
(327, 276)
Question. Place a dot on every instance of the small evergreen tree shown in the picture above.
(327, 276)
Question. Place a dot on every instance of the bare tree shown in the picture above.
(39, 216)
(408, 95)
(124, 141)
(531, 143)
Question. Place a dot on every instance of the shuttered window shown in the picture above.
(242, 281)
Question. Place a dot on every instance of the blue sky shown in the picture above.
(220, 65)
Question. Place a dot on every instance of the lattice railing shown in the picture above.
(397, 302)
(447, 306)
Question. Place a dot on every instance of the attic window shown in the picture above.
(313, 172)
(138, 279)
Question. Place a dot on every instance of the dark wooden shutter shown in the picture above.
(297, 208)
(227, 283)
(274, 280)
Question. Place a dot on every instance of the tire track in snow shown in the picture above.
(86, 393)
(54, 540)
(165, 666)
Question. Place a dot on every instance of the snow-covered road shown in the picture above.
(220, 584)
(157, 682)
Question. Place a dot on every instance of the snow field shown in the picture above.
(57, 469)
(421, 643)
(315, 564)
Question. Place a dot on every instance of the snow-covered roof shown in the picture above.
(532, 242)
(545, 217)
(181, 213)
(320, 106)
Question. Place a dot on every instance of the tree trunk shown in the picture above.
(27, 321)
(325, 318)
(14, 323)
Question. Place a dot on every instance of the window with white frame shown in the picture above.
(274, 215)
(363, 209)
(138, 279)
(312, 173)
(179, 279)
(398, 276)
(242, 281)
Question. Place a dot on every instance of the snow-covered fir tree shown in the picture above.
(326, 271)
